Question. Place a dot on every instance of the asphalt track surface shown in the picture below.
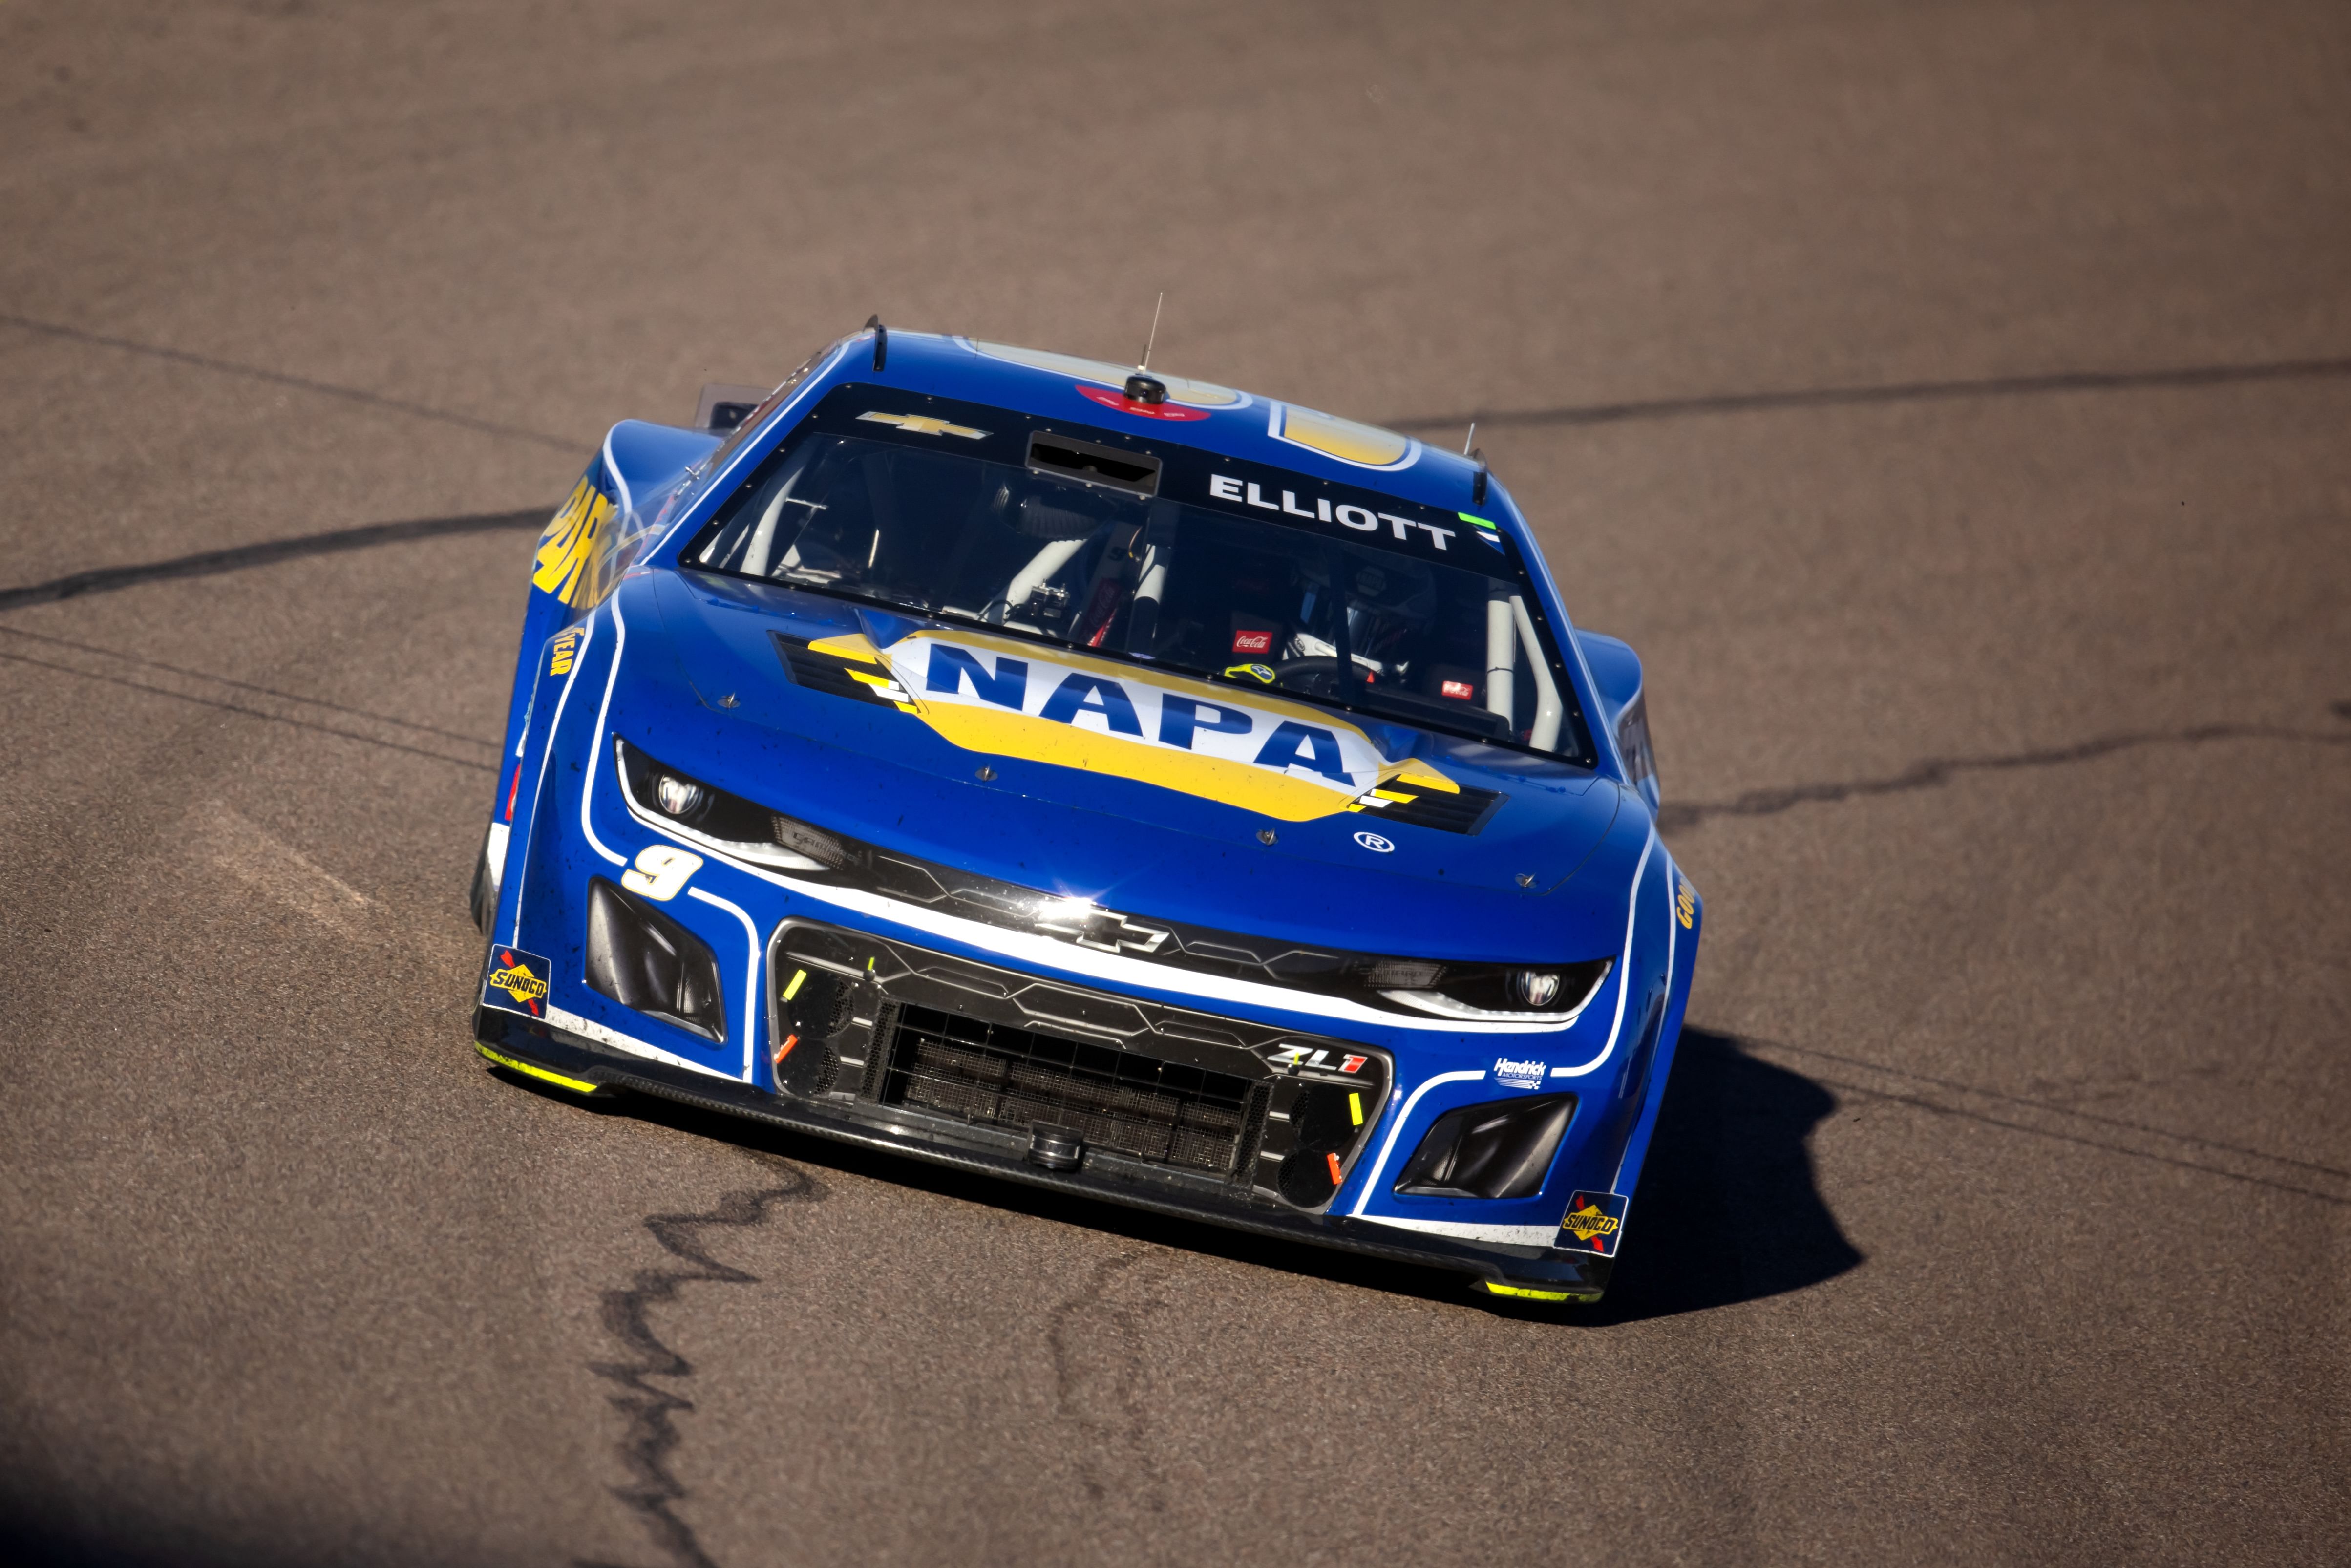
(1951, 401)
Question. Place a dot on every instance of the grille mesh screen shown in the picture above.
(1166, 1112)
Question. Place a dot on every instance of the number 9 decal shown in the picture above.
(661, 871)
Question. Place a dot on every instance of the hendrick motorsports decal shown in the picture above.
(1594, 1223)
(516, 982)
(1520, 1074)
(1008, 699)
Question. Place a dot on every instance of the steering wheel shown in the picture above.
(1289, 671)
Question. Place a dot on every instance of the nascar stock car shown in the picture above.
(1105, 781)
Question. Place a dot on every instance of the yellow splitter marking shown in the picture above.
(577, 1085)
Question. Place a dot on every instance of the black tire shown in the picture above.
(484, 902)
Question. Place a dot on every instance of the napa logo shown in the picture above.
(567, 547)
(1007, 698)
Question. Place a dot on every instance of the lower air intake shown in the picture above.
(1164, 1112)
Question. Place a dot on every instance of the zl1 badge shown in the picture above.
(516, 982)
(1594, 1223)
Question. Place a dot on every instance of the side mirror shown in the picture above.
(722, 407)
(1625, 708)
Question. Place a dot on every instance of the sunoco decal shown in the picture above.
(516, 982)
(1594, 1222)
(1007, 698)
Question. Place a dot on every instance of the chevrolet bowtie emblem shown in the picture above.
(1105, 930)
(924, 425)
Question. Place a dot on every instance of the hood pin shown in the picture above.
(1526, 879)
(1265, 835)
(986, 775)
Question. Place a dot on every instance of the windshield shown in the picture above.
(1154, 552)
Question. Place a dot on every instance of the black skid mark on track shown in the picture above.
(1935, 772)
(652, 1492)
(269, 553)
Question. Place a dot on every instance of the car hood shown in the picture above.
(1102, 778)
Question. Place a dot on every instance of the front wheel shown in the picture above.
(484, 899)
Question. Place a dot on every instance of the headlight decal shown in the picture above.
(1413, 992)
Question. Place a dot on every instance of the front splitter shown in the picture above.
(545, 1052)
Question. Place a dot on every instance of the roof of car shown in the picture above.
(1197, 413)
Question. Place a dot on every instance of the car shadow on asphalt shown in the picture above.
(1728, 1209)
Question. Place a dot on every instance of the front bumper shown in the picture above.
(548, 1052)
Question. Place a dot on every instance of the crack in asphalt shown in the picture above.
(301, 383)
(145, 663)
(653, 1492)
(1105, 1403)
(472, 764)
(1887, 392)
(2123, 1124)
(1919, 1099)
(1935, 772)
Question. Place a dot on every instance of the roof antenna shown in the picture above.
(1144, 364)
(1468, 438)
(881, 339)
(1478, 485)
(1143, 386)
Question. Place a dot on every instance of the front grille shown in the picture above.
(1169, 1112)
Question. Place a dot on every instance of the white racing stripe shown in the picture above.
(1506, 1235)
(1371, 1182)
(1649, 1113)
(589, 1029)
(1047, 953)
(750, 977)
(596, 742)
(494, 852)
(1624, 965)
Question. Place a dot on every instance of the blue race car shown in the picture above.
(1109, 781)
